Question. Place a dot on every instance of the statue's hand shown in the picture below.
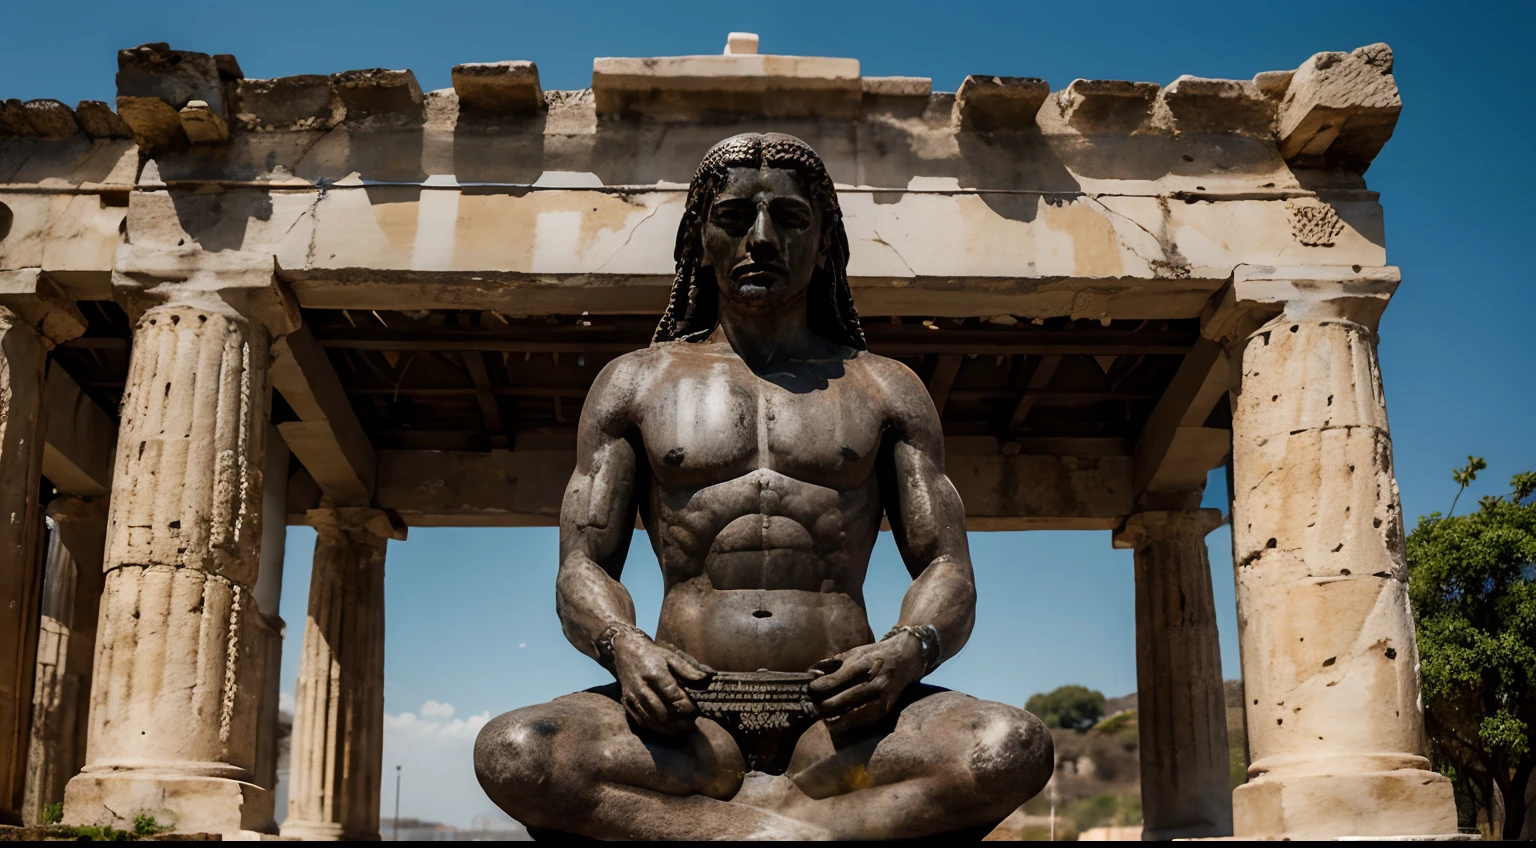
(866, 685)
(648, 676)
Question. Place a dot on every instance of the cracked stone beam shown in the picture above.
(328, 439)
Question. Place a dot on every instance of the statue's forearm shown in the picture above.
(943, 597)
(589, 603)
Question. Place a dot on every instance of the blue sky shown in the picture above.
(471, 624)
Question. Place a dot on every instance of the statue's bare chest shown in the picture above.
(718, 420)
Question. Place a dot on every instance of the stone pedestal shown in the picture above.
(72, 580)
(173, 709)
(1330, 664)
(338, 732)
(1181, 713)
(23, 358)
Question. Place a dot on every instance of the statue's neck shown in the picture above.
(766, 338)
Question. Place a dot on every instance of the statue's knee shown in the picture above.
(1014, 755)
(514, 756)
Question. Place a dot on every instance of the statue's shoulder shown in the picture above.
(898, 390)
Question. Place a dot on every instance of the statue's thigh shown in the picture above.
(997, 753)
(584, 740)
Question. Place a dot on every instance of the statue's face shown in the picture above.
(763, 239)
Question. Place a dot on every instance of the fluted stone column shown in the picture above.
(1181, 707)
(269, 591)
(1330, 664)
(34, 316)
(177, 676)
(338, 732)
(71, 598)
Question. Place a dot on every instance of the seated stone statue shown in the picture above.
(761, 444)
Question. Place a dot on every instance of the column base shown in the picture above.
(325, 832)
(1401, 803)
(186, 804)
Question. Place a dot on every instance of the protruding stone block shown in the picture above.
(175, 76)
(1339, 109)
(498, 88)
(377, 94)
(1201, 105)
(301, 102)
(1273, 84)
(50, 120)
(741, 44)
(896, 86)
(201, 125)
(686, 87)
(41, 304)
(998, 103)
(155, 124)
(99, 121)
(1096, 107)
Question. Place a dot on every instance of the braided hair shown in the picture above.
(694, 307)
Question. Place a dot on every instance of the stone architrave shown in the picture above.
(338, 732)
(176, 695)
(1330, 664)
(71, 600)
(1181, 712)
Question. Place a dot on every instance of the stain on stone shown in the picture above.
(849, 454)
(545, 727)
(1329, 661)
(1391, 653)
(675, 457)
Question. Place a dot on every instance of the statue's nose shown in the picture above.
(762, 240)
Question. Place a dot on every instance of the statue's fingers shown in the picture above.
(678, 702)
(845, 701)
(836, 680)
(653, 707)
(687, 668)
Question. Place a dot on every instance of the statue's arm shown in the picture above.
(927, 518)
(597, 515)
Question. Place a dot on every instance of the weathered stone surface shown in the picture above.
(1329, 657)
(48, 120)
(379, 95)
(219, 281)
(339, 715)
(156, 124)
(1220, 106)
(176, 77)
(896, 86)
(23, 356)
(1097, 107)
(178, 670)
(1181, 708)
(1339, 109)
(498, 88)
(35, 299)
(72, 580)
(684, 87)
(201, 125)
(301, 102)
(99, 121)
(987, 103)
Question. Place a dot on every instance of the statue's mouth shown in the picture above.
(757, 273)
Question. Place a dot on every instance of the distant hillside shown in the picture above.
(1098, 773)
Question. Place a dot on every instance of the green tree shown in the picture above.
(1072, 707)
(1473, 590)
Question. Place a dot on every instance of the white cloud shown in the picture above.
(434, 724)
(434, 709)
(285, 702)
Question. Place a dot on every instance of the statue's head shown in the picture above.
(763, 231)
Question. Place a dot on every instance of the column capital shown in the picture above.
(243, 282)
(1258, 294)
(40, 304)
(1143, 528)
(384, 523)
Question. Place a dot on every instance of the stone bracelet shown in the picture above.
(603, 644)
(929, 645)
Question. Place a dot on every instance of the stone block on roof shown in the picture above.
(498, 88)
(378, 94)
(1200, 105)
(99, 121)
(175, 76)
(301, 102)
(988, 103)
(690, 86)
(1339, 109)
(1107, 106)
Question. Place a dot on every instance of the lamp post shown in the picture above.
(395, 829)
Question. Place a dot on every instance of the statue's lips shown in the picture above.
(757, 274)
